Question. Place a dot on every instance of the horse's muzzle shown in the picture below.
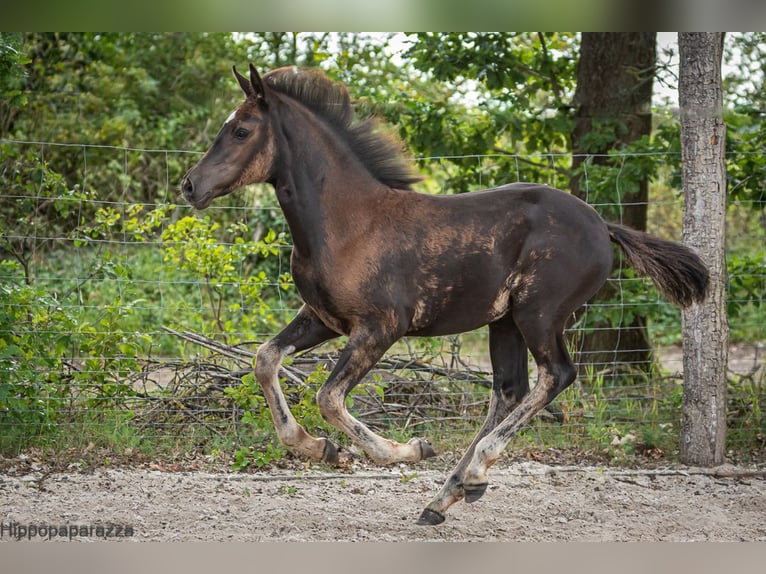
(192, 195)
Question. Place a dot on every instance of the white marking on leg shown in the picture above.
(332, 407)
(290, 433)
(490, 448)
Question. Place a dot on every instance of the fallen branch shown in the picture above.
(232, 352)
(714, 472)
(229, 351)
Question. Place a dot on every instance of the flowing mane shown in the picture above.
(382, 153)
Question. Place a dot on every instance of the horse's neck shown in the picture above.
(323, 189)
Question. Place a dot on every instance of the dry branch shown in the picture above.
(415, 389)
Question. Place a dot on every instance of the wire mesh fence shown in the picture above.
(131, 321)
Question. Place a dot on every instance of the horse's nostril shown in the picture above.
(187, 186)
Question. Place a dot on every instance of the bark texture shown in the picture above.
(704, 181)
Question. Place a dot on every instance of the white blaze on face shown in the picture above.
(231, 117)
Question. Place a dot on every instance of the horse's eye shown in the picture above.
(241, 133)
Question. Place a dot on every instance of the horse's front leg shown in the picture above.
(363, 350)
(303, 332)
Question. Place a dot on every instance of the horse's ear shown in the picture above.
(256, 82)
(253, 87)
(246, 86)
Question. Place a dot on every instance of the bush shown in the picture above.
(35, 335)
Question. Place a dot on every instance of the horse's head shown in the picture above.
(242, 153)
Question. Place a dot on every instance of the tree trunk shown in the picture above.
(705, 327)
(613, 103)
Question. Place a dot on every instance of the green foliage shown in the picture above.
(521, 83)
(256, 419)
(245, 456)
(35, 335)
(38, 208)
(611, 420)
(745, 305)
(100, 219)
(746, 165)
(747, 282)
(108, 354)
(303, 403)
(260, 446)
(232, 281)
(50, 357)
(101, 86)
(12, 95)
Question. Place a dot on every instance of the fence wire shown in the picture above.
(129, 318)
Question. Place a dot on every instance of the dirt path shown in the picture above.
(526, 501)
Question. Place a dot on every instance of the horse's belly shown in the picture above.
(462, 314)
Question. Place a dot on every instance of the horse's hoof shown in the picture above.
(426, 450)
(474, 492)
(330, 454)
(430, 518)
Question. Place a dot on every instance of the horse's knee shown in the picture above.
(267, 360)
(330, 403)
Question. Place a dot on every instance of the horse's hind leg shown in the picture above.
(555, 373)
(510, 383)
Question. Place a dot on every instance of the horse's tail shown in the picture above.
(676, 270)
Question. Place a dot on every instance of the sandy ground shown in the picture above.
(526, 502)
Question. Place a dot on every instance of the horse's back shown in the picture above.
(538, 208)
(545, 196)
